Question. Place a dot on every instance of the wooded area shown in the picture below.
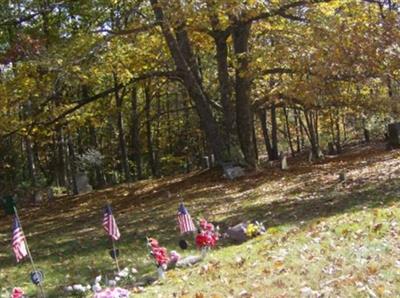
(127, 90)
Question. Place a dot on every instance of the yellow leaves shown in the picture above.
(278, 264)
(273, 230)
(372, 269)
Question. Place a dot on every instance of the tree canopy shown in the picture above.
(153, 86)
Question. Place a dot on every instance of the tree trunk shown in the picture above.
(30, 161)
(135, 134)
(365, 131)
(274, 134)
(187, 69)
(262, 114)
(72, 165)
(337, 126)
(149, 133)
(289, 135)
(225, 89)
(121, 136)
(244, 113)
(255, 141)
(311, 133)
(100, 181)
(298, 128)
(60, 170)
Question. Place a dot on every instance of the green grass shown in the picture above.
(323, 237)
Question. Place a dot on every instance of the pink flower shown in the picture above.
(159, 253)
(112, 293)
(17, 293)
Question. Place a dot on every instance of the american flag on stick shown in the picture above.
(110, 225)
(18, 241)
(185, 221)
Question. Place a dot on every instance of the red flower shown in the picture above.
(207, 237)
(17, 293)
(160, 254)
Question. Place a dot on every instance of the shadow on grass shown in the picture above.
(323, 205)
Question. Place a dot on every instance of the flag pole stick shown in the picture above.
(29, 253)
(115, 253)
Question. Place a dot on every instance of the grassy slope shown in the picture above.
(323, 237)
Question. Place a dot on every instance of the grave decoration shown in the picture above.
(186, 225)
(255, 229)
(21, 251)
(17, 293)
(109, 289)
(37, 277)
(112, 293)
(207, 237)
(112, 230)
(243, 231)
(160, 256)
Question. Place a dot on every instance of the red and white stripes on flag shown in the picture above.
(109, 224)
(18, 241)
(185, 221)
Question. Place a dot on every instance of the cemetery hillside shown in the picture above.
(199, 148)
(323, 235)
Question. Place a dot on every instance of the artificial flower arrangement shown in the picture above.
(159, 253)
(17, 293)
(110, 291)
(254, 229)
(207, 237)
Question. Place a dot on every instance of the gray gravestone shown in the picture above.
(237, 233)
(82, 183)
(206, 162)
(284, 164)
(232, 172)
(38, 197)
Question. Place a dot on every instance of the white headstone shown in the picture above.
(212, 158)
(284, 165)
(206, 162)
(310, 156)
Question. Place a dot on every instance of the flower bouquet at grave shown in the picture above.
(254, 229)
(160, 255)
(17, 293)
(244, 231)
(109, 290)
(207, 237)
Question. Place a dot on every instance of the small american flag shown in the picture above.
(18, 241)
(185, 221)
(109, 224)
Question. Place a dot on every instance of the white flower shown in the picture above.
(79, 288)
(134, 271)
(76, 287)
(69, 289)
(112, 283)
(97, 279)
(117, 278)
(96, 287)
(124, 272)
